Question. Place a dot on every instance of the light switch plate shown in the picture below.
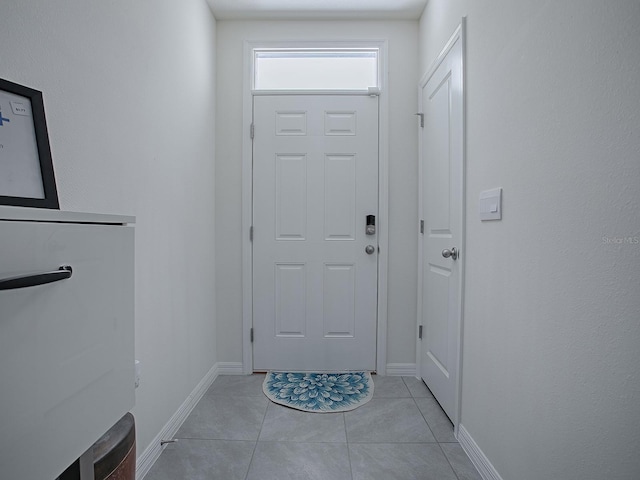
(491, 204)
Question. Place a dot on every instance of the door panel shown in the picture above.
(339, 300)
(442, 209)
(291, 305)
(291, 197)
(315, 181)
(340, 197)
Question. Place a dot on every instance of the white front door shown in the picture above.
(315, 181)
(442, 211)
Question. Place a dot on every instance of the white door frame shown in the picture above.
(459, 34)
(247, 189)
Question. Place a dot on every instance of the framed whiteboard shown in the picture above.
(26, 168)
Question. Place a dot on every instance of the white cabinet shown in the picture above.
(66, 348)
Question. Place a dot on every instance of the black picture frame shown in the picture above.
(49, 199)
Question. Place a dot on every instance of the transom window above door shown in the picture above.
(307, 69)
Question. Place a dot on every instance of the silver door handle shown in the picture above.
(453, 253)
(369, 249)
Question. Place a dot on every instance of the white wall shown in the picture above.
(129, 98)
(551, 385)
(402, 37)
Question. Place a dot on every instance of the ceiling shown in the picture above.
(317, 9)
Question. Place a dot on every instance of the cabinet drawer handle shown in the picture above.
(36, 278)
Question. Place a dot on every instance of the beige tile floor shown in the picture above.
(236, 433)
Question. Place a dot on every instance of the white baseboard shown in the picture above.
(401, 369)
(478, 458)
(146, 460)
(230, 368)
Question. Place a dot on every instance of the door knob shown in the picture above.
(453, 253)
(369, 249)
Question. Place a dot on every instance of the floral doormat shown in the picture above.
(319, 392)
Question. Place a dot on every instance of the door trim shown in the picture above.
(247, 193)
(459, 34)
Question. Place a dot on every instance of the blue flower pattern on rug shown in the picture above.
(319, 392)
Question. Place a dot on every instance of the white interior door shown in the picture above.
(315, 181)
(442, 210)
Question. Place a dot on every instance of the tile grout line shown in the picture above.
(346, 436)
(425, 420)
(432, 433)
(448, 461)
(246, 476)
(257, 439)
(422, 414)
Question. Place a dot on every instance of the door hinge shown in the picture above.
(251, 334)
(421, 115)
(420, 332)
(422, 226)
(251, 233)
(252, 130)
